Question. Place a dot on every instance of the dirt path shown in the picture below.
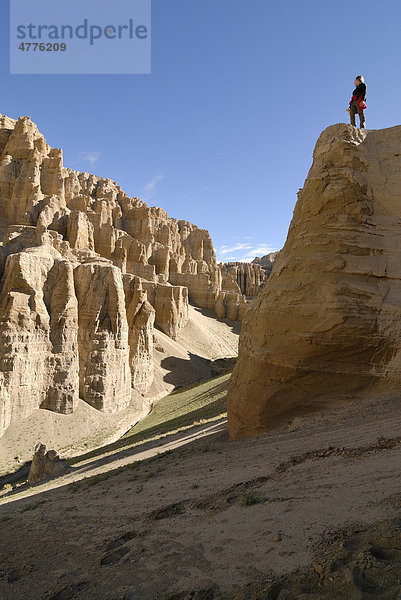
(104, 464)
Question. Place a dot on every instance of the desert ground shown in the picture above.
(175, 510)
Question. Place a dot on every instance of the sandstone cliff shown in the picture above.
(85, 273)
(326, 328)
(266, 262)
(246, 278)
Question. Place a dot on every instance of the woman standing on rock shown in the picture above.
(357, 103)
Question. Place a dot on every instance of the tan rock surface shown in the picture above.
(85, 273)
(94, 214)
(249, 277)
(140, 318)
(104, 371)
(266, 262)
(46, 464)
(325, 329)
(170, 304)
(38, 335)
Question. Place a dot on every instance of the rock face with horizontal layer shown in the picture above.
(326, 327)
(85, 273)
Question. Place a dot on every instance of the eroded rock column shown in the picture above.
(104, 371)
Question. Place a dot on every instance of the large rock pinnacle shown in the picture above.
(326, 327)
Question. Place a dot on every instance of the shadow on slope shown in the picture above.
(179, 410)
(175, 365)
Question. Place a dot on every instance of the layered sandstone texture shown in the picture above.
(326, 327)
(85, 274)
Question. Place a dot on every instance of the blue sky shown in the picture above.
(221, 133)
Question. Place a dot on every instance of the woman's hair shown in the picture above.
(361, 78)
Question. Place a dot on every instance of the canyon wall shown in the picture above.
(86, 272)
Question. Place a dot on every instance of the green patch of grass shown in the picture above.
(250, 499)
(98, 478)
(103, 476)
(33, 506)
(190, 406)
(180, 410)
(205, 449)
(4, 518)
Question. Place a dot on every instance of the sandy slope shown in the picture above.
(178, 363)
(183, 362)
(181, 521)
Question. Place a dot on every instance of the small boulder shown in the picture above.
(46, 464)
